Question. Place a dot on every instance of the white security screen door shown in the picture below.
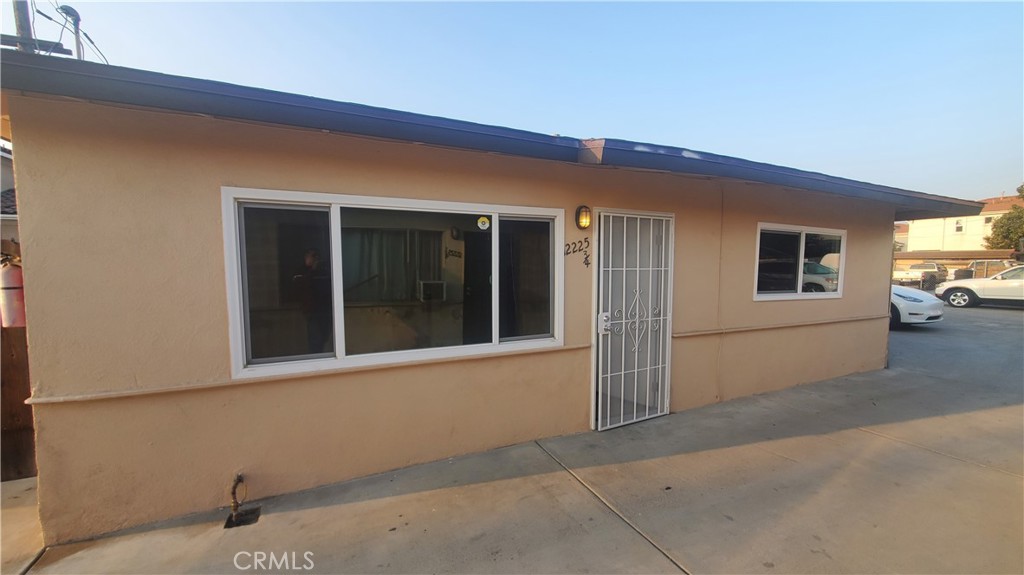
(634, 320)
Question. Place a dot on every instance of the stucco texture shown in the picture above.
(138, 418)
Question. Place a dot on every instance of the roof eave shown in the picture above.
(33, 73)
(97, 82)
(909, 204)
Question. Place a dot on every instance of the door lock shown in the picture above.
(604, 323)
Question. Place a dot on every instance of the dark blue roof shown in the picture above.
(909, 205)
(98, 82)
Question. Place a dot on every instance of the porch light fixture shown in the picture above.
(583, 217)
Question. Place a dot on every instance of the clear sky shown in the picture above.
(922, 96)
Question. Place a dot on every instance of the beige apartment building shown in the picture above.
(223, 279)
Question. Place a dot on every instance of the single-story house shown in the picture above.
(223, 279)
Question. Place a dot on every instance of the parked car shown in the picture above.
(780, 276)
(989, 268)
(830, 260)
(1006, 287)
(820, 278)
(926, 275)
(909, 305)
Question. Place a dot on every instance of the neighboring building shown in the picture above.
(900, 232)
(8, 201)
(960, 233)
(381, 289)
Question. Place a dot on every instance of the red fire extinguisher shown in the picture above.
(12, 294)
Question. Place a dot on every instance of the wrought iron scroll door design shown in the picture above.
(634, 320)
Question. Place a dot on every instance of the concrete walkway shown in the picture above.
(918, 468)
(21, 537)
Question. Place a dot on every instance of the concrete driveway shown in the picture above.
(918, 468)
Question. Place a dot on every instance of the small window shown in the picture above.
(959, 226)
(408, 286)
(988, 219)
(287, 289)
(416, 280)
(794, 261)
(526, 289)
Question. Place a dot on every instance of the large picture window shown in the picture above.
(795, 261)
(339, 281)
(414, 279)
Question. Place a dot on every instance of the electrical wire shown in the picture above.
(41, 13)
(94, 47)
(32, 26)
(59, 38)
(45, 15)
(63, 27)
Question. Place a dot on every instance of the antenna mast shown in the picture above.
(23, 21)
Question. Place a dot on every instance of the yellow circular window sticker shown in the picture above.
(483, 223)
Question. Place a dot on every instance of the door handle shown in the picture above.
(604, 323)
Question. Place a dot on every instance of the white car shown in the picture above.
(820, 278)
(1006, 288)
(910, 305)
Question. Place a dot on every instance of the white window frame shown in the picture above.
(803, 231)
(231, 197)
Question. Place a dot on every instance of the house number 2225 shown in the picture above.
(577, 247)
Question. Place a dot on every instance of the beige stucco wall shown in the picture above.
(138, 418)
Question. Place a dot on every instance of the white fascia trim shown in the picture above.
(290, 197)
(806, 296)
(232, 196)
(233, 283)
(390, 358)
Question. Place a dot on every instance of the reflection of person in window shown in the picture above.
(313, 283)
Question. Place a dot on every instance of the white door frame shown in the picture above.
(595, 370)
